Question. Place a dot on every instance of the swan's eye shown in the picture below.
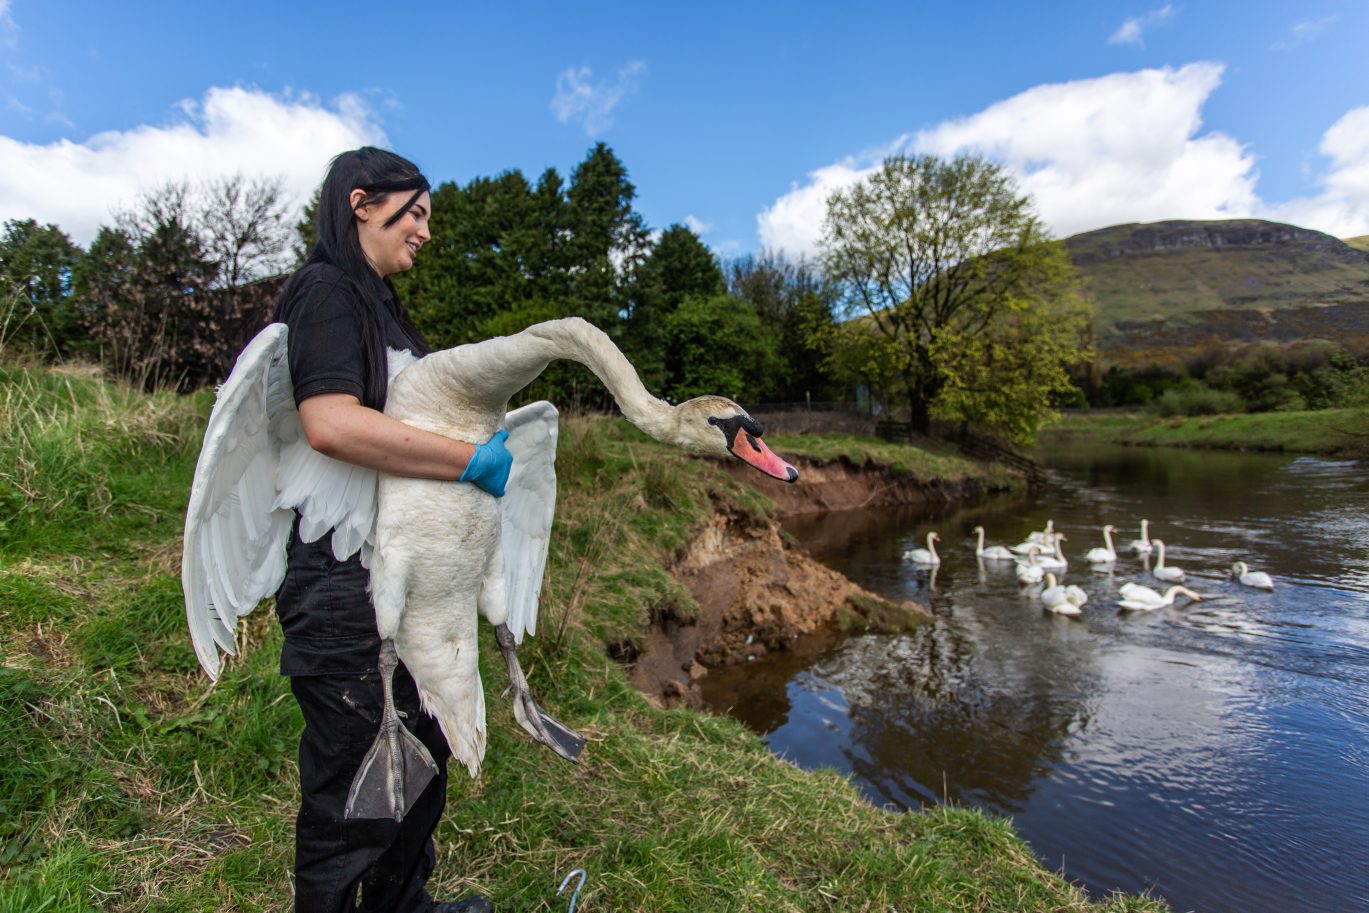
(713, 420)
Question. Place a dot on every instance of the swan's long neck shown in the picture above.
(1107, 537)
(981, 539)
(1145, 531)
(1160, 561)
(483, 376)
(931, 544)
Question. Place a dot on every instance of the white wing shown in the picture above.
(255, 468)
(235, 532)
(526, 511)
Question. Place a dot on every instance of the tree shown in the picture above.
(36, 263)
(679, 266)
(795, 305)
(245, 228)
(945, 258)
(717, 345)
(606, 238)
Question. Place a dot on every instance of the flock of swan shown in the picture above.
(1041, 556)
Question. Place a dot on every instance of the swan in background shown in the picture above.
(925, 556)
(1144, 599)
(1062, 600)
(1142, 545)
(1161, 571)
(1055, 561)
(1246, 577)
(440, 554)
(1031, 571)
(993, 552)
(1043, 538)
(1103, 555)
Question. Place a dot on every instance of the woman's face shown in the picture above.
(392, 250)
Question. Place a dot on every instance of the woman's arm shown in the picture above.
(339, 426)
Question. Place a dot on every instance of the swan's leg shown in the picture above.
(398, 767)
(541, 725)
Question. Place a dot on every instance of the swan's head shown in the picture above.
(1239, 568)
(715, 424)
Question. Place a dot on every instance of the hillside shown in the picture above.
(1167, 287)
(1359, 243)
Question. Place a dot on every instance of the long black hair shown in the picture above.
(377, 172)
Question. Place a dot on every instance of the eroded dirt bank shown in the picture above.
(757, 592)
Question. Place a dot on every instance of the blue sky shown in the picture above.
(734, 118)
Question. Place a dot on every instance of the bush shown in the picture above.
(1193, 398)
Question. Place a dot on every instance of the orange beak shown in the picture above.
(751, 449)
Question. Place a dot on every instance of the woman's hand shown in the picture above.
(489, 467)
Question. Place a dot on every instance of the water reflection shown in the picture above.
(1183, 749)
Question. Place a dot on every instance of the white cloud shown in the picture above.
(578, 98)
(1342, 206)
(1120, 148)
(698, 226)
(78, 185)
(1132, 31)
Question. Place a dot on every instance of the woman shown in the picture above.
(343, 315)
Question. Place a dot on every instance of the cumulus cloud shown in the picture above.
(578, 97)
(79, 185)
(1120, 148)
(698, 226)
(1132, 31)
(1342, 205)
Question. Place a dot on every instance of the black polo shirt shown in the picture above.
(323, 604)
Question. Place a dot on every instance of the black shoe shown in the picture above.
(468, 905)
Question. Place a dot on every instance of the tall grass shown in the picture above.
(130, 783)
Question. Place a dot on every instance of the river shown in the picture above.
(1214, 753)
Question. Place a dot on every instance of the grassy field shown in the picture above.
(1330, 432)
(130, 783)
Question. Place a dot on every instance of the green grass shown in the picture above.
(1331, 432)
(131, 783)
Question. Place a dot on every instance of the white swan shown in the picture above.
(1163, 572)
(439, 552)
(1056, 560)
(1031, 571)
(1246, 577)
(1103, 555)
(925, 556)
(1142, 545)
(1062, 600)
(993, 552)
(1144, 599)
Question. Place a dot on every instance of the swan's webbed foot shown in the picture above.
(398, 767)
(541, 725)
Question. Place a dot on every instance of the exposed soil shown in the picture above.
(757, 592)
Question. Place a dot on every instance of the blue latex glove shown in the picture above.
(490, 464)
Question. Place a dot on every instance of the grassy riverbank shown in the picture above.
(1330, 432)
(129, 783)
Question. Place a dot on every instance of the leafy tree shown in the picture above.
(795, 304)
(306, 230)
(717, 345)
(679, 266)
(36, 263)
(943, 254)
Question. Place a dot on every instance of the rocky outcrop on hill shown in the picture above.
(1176, 235)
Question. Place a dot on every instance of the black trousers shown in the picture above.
(383, 862)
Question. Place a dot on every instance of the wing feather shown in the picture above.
(526, 511)
(221, 564)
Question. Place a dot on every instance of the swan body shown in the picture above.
(993, 552)
(1144, 599)
(1031, 571)
(925, 556)
(1142, 545)
(1062, 600)
(439, 553)
(1106, 554)
(1246, 577)
(1056, 560)
(1161, 571)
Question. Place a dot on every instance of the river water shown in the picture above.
(1215, 754)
